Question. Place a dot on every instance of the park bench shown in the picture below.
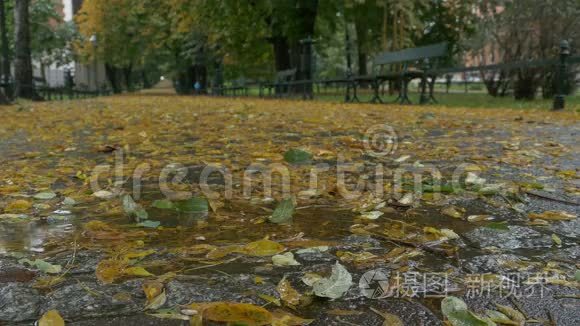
(414, 63)
(282, 83)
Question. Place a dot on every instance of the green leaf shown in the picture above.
(297, 156)
(149, 224)
(458, 314)
(45, 195)
(577, 275)
(283, 212)
(163, 204)
(42, 265)
(192, 205)
(500, 226)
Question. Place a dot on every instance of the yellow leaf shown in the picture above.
(288, 294)
(282, 318)
(137, 271)
(227, 312)
(51, 318)
(270, 299)
(109, 270)
(18, 206)
(390, 319)
(263, 248)
(221, 252)
(152, 289)
(553, 215)
(157, 302)
(135, 255)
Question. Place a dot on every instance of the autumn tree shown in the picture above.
(23, 79)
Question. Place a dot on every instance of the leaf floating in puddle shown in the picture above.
(104, 194)
(42, 265)
(192, 205)
(263, 247)
(157, 302)
(556, 239)
(149, 224)
(286, 259)
(500, 226)
(18, 206)
(336, 285)
(389, 319)
(456, 311)
(453, 211)
(45, 195)
(517, 317)
(288, 294)
(137, 271)
(282, 318)
(283, 212)
(51, 318)
(233, 313)
(297, 156)
(553, 216)
(163, 204)
(372, 215)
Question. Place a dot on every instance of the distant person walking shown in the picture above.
(197, 87)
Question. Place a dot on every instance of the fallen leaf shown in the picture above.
(285, 259)
(288, 294)
(228, 312)
(336, 285)
(372, 215)
(456, 311)
(556, 239)
(513, 314)
(297, 156)
(283, 212)
(282, 318)
(45, 195)
(453, 211)
(192, 205)
(51, 318)
(137, 271)
(18, 206)
(157, 302)
(42, 265)
(553, 216)
(263, 248)
(390, 319)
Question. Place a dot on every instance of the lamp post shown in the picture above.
(560, 97)
(94, 41)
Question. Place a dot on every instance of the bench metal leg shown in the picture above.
(403, 93)
(354, 93)
(432, 91)
(424, 99)
(376, 95)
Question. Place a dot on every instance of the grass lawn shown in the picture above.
(456, 99)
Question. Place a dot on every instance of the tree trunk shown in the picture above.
(526, 85)
(23, 74)
(281, 53)
(145, 79)
(6, 73)
(127, 72)
(111, 73)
